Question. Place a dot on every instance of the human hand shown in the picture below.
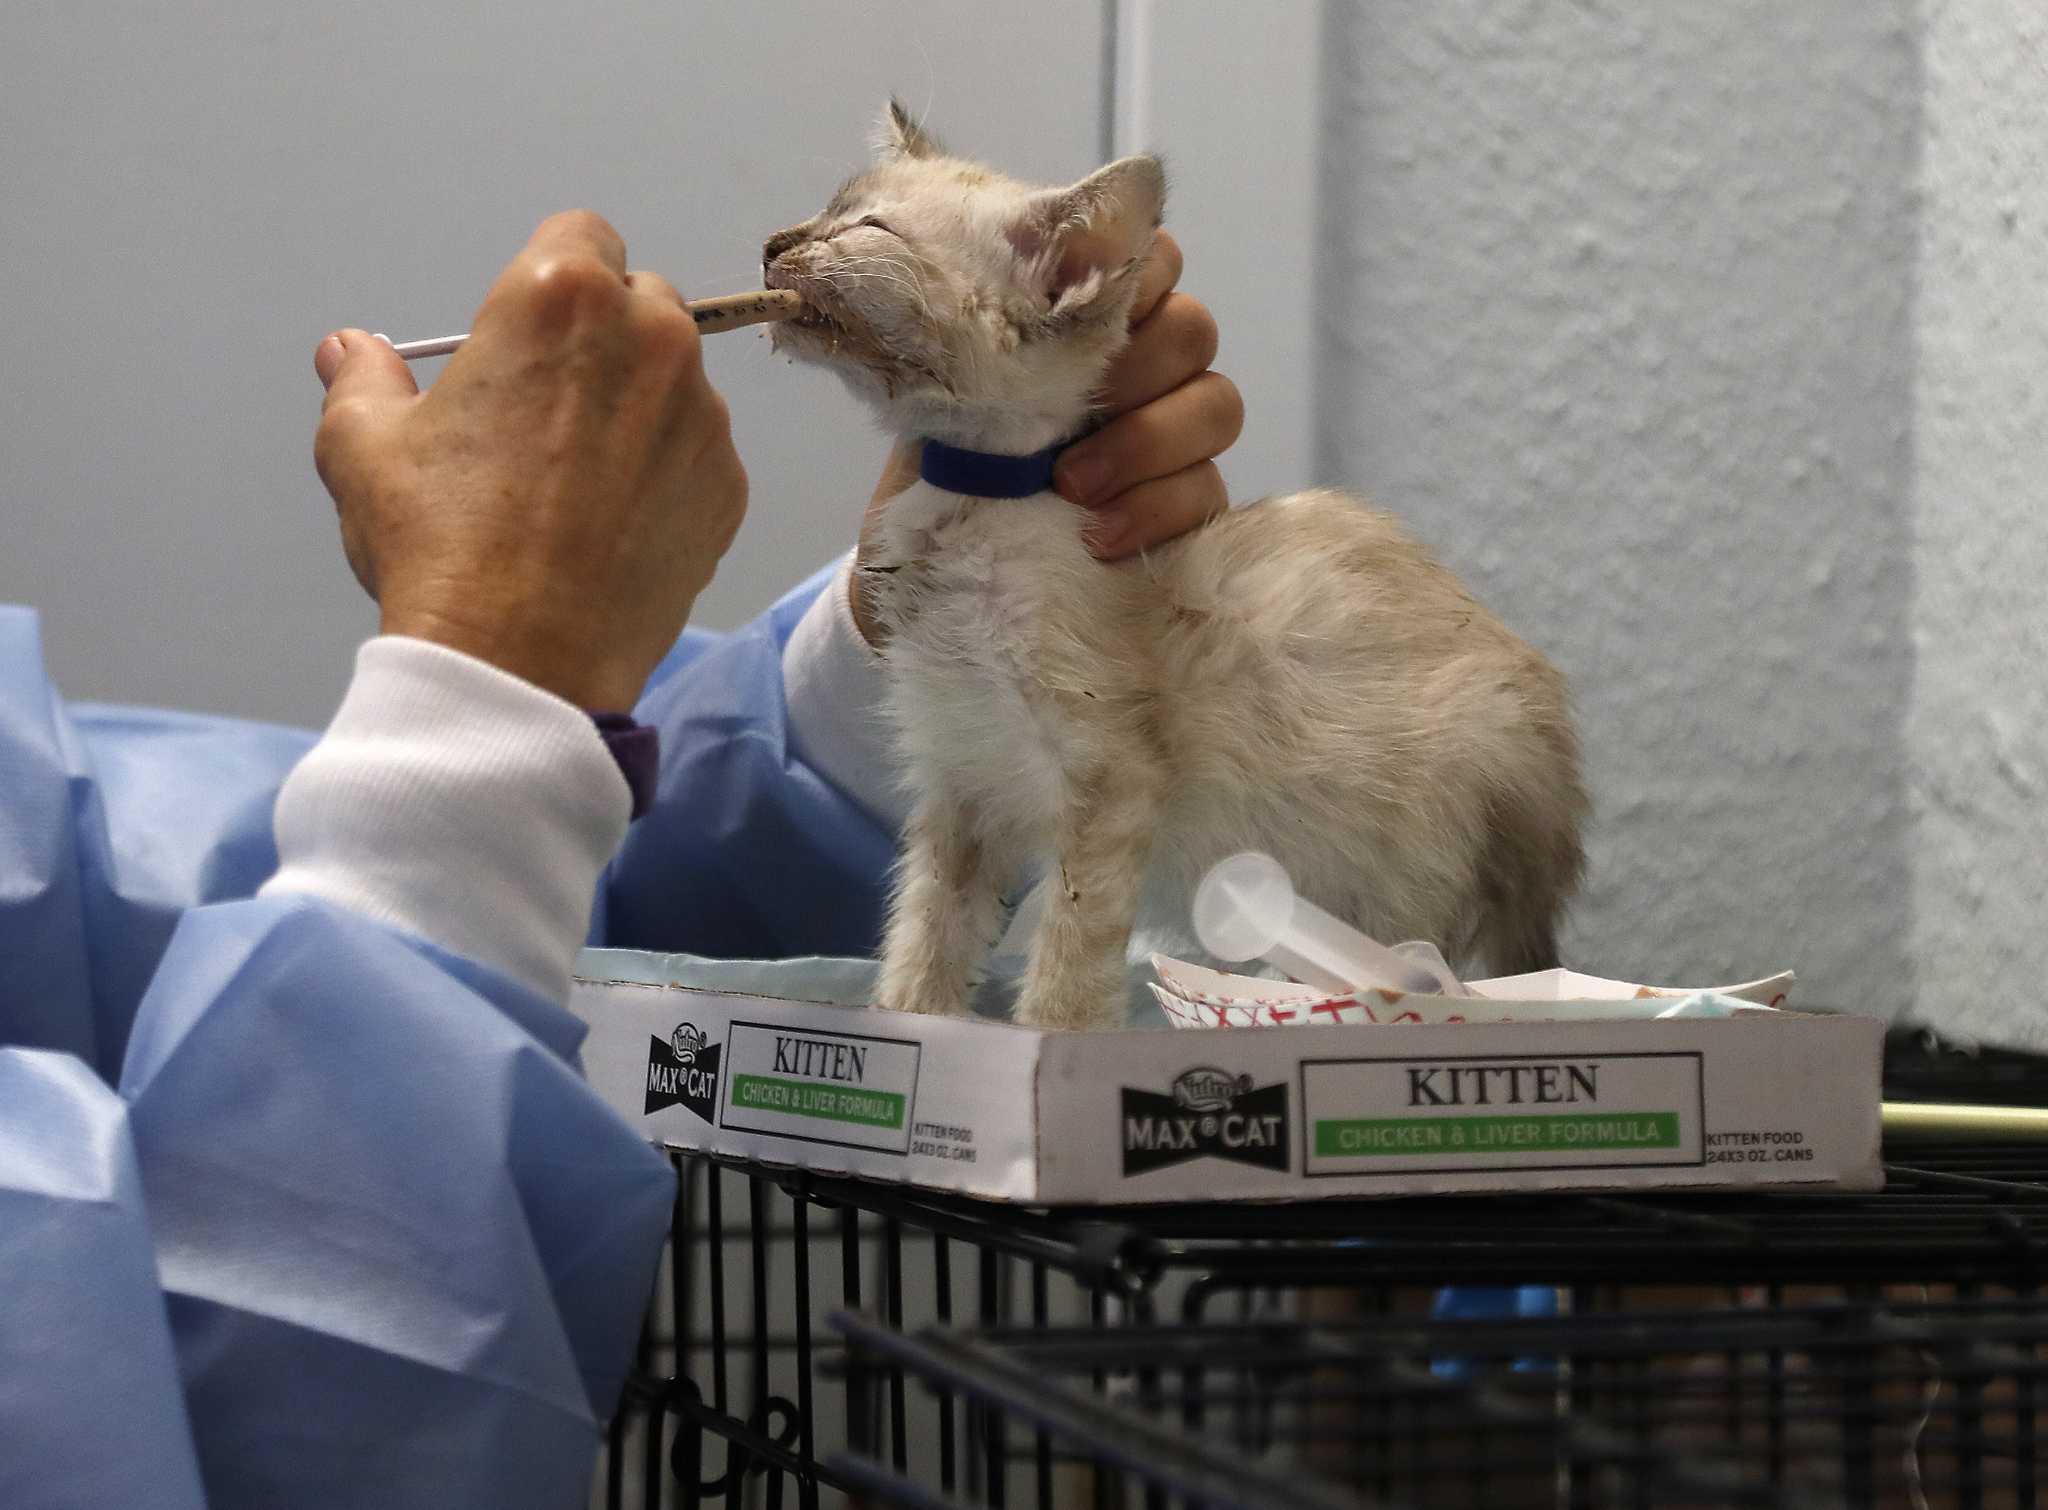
(556, 501)
(1150, 473)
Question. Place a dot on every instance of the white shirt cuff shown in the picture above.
(833, 686)
(457, 802)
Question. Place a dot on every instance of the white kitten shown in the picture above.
(1297, 677)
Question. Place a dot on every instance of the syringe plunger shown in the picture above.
(1246, 908)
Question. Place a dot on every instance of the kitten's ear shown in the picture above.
(1083, 243)
(900, 136)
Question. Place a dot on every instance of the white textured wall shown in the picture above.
(1243, 199)
(1620, 318)
(1979, 726)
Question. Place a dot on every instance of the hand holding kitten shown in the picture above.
(1150, 473)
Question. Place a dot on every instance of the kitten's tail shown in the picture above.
(1516, 942)
(1533, 865)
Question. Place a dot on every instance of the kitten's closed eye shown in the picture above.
(796, 236)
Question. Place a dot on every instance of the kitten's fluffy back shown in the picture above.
(1332, 694)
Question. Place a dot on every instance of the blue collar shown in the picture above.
(984, 474)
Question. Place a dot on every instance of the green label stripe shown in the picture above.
(1375, 1138)
(809, 1098)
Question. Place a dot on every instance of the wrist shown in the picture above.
(636, 750)
(556, 659)
(455, 801)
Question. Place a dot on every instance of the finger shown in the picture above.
(327, 358)
(1176, 344)
(1157, 278)
(898, 472)
(580, 233)
(355, 365)
(365, 380)
(570, 274)
(1196, 422)
(664, 319)
(653, 286)
(1157, 511)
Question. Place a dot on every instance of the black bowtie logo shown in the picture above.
(683, 1072)
(1206, 1114)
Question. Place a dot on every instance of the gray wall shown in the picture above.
(194, 194)
(1619, 315)
(1243, 202)
(1978, 731)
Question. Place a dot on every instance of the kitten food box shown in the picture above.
(1558, 1083)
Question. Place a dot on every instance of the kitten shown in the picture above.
(1298, 676)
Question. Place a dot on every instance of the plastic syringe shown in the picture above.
(727, 312)
(1246, 909)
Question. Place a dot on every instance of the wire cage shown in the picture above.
(832, 1342)
(1769, 1402)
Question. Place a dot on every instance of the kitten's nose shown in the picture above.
(779, 243)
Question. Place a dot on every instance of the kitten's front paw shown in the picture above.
(893, 996)
(1085, 1009)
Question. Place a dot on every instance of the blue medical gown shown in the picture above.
(295, 1209)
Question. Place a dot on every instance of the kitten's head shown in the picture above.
(960, 303)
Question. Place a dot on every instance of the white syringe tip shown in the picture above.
(1244, 906)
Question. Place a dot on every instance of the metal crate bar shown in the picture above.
(1889, 1402)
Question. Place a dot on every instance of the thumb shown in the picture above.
(353, 364)
(366, 380)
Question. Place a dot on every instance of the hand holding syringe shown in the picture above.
(1246, 908)
(476, 528)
